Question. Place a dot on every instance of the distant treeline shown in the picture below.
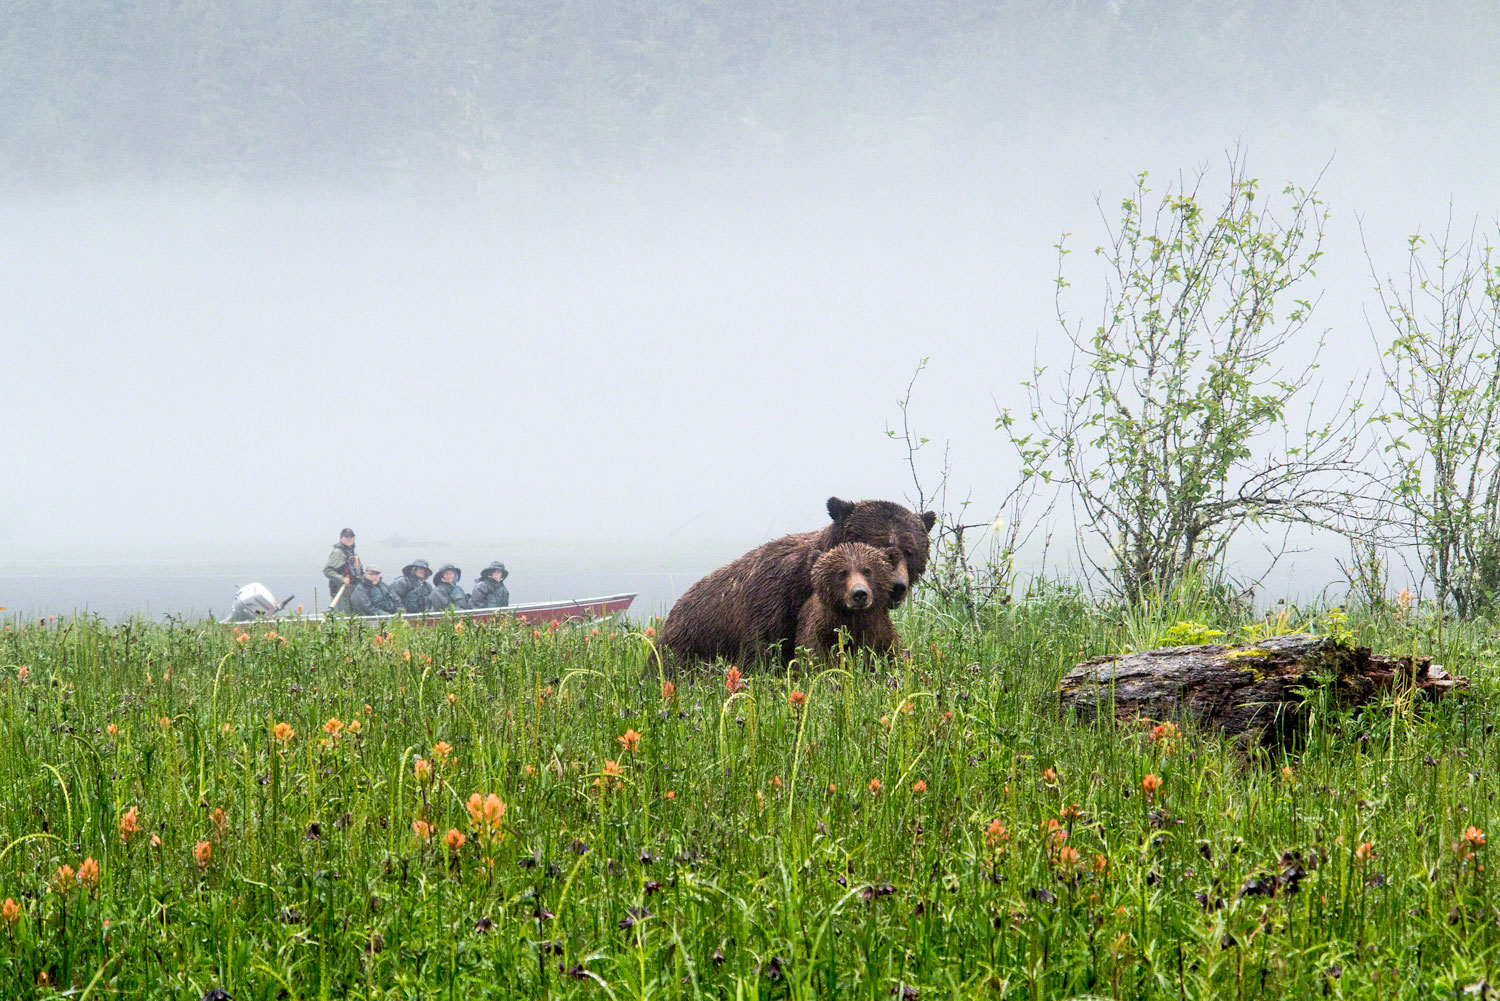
(457, 88)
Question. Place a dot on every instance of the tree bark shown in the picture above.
(1238, 689)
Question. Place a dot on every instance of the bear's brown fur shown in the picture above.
(851, 591)
(749, 607)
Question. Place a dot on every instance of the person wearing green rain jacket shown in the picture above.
(372, 596)
(446, 593)
(491, 591)
(343, 568)
(414, 590)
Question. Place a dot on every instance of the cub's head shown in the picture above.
(898, 532)
(854, 577)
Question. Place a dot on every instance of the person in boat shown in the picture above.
(343, 568)
(373, 596)
(414, 590)
(491, 592)
(446, 593)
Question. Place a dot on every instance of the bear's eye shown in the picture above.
(843, 574)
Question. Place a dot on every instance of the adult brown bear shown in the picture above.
(851, 593)
(747, 608)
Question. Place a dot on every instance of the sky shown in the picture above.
(648, 359)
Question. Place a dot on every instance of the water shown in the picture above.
(158, 592)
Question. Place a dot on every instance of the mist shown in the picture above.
(626, 291)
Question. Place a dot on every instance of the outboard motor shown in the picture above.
(251, 602)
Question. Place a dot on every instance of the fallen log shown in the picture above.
(1237, 689)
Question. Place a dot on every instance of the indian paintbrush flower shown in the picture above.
(630, 740)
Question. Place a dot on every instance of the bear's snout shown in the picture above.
(859, 596)
(898, 591)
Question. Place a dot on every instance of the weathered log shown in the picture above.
(1252, 687)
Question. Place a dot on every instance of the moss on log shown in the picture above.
(1238, 689)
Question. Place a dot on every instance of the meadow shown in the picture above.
(301, 810)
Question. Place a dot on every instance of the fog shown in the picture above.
(629, 292)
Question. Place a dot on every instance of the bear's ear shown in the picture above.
(929, 518)
(838, 510)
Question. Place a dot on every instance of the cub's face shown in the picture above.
(854, 577)
(898, 533)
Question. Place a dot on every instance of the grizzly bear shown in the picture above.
(748, 608)
(851, 591)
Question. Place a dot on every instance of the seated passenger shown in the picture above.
(491, 592)
(372, 596)
(413, 590)
(446, 593)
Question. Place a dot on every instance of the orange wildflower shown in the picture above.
(422, 829)
(630, 740)
(612, 775)
(798, 699)
(406, 655)
(919, 786)
(1287, 775)
(1474, 836)
(11, 911)
(671, 794)
(283, 732)
(776, 781)
(165, 722)
(1100, 864)
(649, 632)
(1364, 853)
(201, 852)
(242, 638)
(130, 824)
(422, 768)
(454, 839)
(333, 727)
(1151, 783)
(732, 680)
(995, 835)
(441, 750)
(486, 813)
(156, 841)
(1050, 776)
(112, 730)
(354, 726)
(668, 690)
(874, 786)
(1067, 856)
(221, 822)
(88, 874)
(64, 878)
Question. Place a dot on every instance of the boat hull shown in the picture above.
(536, 611)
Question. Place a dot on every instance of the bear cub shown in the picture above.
(851, 590)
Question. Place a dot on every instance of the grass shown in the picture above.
(930, 830)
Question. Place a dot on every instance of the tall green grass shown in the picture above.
(929, 828)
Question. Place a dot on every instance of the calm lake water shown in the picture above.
(118, 594)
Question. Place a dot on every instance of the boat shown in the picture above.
(253, 603)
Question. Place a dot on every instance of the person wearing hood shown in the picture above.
(373, 596)
(413, 590)
(491, 592)
(446, 593)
